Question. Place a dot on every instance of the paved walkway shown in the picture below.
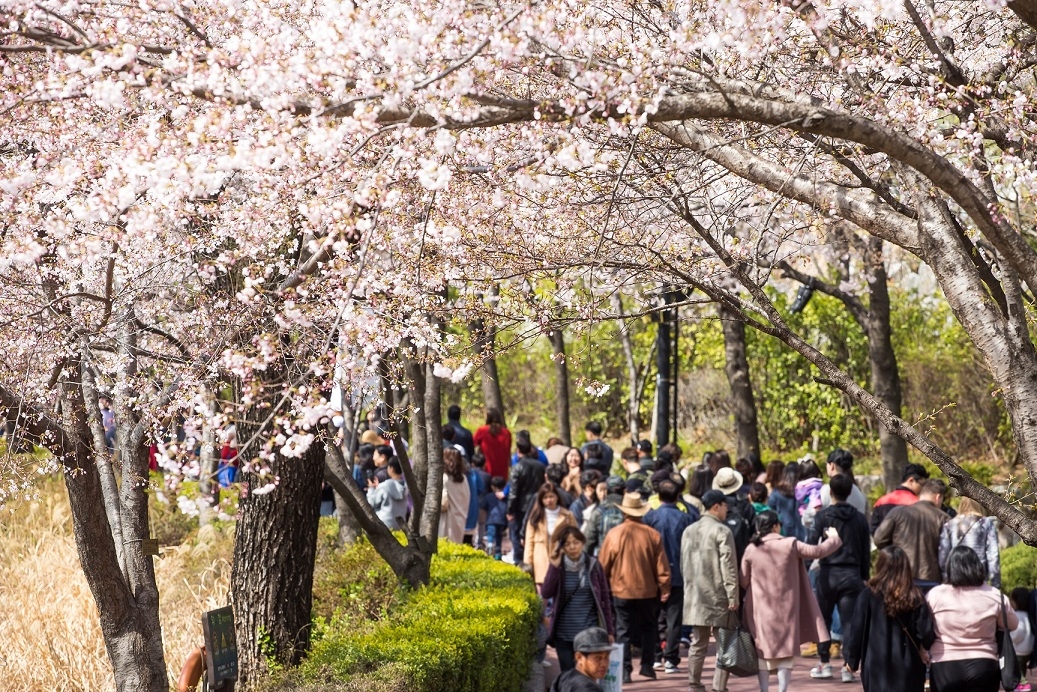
(801, 680)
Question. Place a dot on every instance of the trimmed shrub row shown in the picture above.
(473, 628)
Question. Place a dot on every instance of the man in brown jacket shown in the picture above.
(638, 572)
(915, 529)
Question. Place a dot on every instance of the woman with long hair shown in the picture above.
(966, 616)
(783, 501)
(573, 461)
(456, 497)
(891, 630)
(546, 516)
(578, 590)
(772, 479)
(972, 529)
(699, 484)
(781, 611)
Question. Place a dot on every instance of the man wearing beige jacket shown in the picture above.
(710, 571)
(638, 572)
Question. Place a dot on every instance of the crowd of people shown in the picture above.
(659, 556)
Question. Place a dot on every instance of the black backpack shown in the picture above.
(740, 518)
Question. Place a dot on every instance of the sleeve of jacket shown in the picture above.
(531, 539)
(884, 533)
(551, 581)
(662, 565)
(815, 552)
(606, 555)
(925, 630)
(592, 531)
(944, 550)
(864, 549)
(857, 633)
(514, 487)
(817, 528)
(729, 567)
(993, 552)
(598, 575)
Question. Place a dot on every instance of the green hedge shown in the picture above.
(473, 628)
(1018, 567)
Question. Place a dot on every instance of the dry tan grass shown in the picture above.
(50, 638)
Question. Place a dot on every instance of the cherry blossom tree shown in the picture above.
(268, 195)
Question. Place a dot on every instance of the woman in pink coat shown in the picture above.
(781, 611)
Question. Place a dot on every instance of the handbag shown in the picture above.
(1009, 662)
(736, 651)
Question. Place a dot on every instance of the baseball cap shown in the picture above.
(614, 484)
(713, 497)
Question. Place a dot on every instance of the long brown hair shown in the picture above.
(537, 512)
(453, 465)
(775, 470)
(893, 583)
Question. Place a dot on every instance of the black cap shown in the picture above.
(644, 446)
(592, 640)
(713, 497)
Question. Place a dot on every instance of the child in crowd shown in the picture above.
(758, 496)
(808, 490)
(479, 465)
(496, 506)
(1022, 636)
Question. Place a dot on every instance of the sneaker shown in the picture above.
(808, 651)
(848, 676)
(822, 671)
(672, 668)
(685, 642)
(658, 665)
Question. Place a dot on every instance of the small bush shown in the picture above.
(472, 628)
(1019, 567)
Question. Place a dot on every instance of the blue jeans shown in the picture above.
(495, 539)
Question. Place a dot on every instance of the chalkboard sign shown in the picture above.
(221, 649)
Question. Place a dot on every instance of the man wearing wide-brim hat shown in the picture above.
(638, 572)
(740, 513)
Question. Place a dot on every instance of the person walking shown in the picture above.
(494, 440)
(740, 512)
(577, 587)
(840, 463)
(456, 497)
(916, 530)
(670, 521)
(781, 611)
(573, 461)
(593, 647)
(638, 572)
(462, 435)
(972, 529)
(966, 615)
(891, 630)
(709, 569)
(606, 516)
(842, 575)
(526, 478)
(546, 516)
(904, 494)
(388, 498)
(603, 462)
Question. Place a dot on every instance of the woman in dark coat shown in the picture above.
(576, 585)
(892, 629)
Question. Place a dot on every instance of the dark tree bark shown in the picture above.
(484, 339)
(274, 551)
(557, 337)
(737, 368)
(663, 384)
(885, 376)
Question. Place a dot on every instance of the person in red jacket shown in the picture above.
(905, 494)
(495, 442)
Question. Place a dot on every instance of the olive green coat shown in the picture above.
(710, 572)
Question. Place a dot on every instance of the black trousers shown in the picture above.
(671, 615)
(969, 675)
(566, 655)
(837, 587)
(517, 530)
(636, 622)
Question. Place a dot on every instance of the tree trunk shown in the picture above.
(274, 552)
(634, 401)
(484, 340)
(208, 489)
(557, 337)
(661, 419)
(885, 377)
(737, 368)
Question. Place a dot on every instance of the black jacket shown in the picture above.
(574, 681)
(463, 437)
(880, 646)
(526, 478)
(855, 552)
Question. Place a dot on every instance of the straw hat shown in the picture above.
(727, 480)
(370, 437)
(633, 505)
